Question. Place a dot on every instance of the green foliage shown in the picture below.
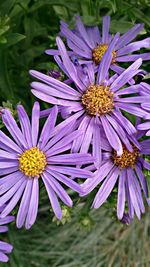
(84, 239)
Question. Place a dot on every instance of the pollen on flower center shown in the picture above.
(32, 162)
(97, 99)
(127, 159)
(98, 52)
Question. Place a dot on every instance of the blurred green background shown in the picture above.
(86, 238)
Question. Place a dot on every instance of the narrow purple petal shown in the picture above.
(142, 180)
(134, 46)
(106, 188)
(126, 75)
(14, 200)
(105, 29)
(35, 123)
(132, 192)
(63, 143)
(13, 128)
(55, 84)
(33, 206)
(73, 171)
(98, 177)
(87, 137)
(57, 174)
(112, 137)
(83, 127)
(48, 127)
(24, 205)
(106, 61)
(129, 36)
(25, 124)
(125, 122)
(83, 32)
(97, 145)
(59, 190)
(53, 198)
(9, 143)
(69, 159)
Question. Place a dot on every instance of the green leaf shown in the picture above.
(121, 27)
(3, 40)
(140, 15)
(14, 38)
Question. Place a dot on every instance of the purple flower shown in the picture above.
(96, 103)
(89, 46)
(146, 106)
(124, 172)
(30, 156)
(126, 219)
(55, 74)
(5, 248)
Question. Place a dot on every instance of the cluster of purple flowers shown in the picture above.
(96, 141)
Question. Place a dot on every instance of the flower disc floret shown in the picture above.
(99, 51)
(98, 100)
(32, 162)
(127, 159)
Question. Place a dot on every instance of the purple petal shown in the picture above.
(144, 56)
(132, 192)
(53, 198)
(9, 143)
(55, 84)
(133, 109)
(55, 93)
(97, 145)
(105, 29)
(24, 205)
(59, 190)
(106, 188)
(48, 128)
(35, 123)
(142, 180)
(82, 127)
(126, 75)
(87, 137)
(57, 174)
(125, 122)
(98, 177)
(119, 130)
(33, 206)
(134, 46)
(73, 171)
(14, 200)
(63, 143)
(13, 128)
(68, 64)
(25, 124)
(106, 61)
(112, 137)
(129, 36)
(70, 159)
(83, 32)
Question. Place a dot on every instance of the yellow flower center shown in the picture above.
(32, 162)
(98, 52)
(97, 100)
(127, 159)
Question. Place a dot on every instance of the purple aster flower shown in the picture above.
(5, 248)
(30, 156)
(89, 46)
(126, 173)
(96, 103)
